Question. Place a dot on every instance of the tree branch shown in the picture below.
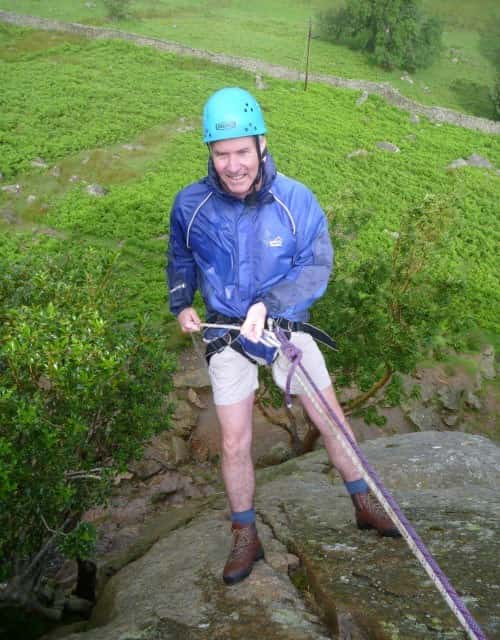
(362, 398)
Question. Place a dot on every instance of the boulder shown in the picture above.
(9, 216)
(475, 160)
(39, 163)
(456, 164)
(424, 418)
(450, 397)
(259, 83)
(130, 146)
(388, 146)
(12, 188)
(357, 153)
(195, 378)
(323, 578)
(487, 363)
(362, 98)
(96, 190)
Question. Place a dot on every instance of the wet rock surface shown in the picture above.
(322, 578)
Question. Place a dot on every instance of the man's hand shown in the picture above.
(189, 320)
(253, 326)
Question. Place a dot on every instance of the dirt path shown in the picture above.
(436, 114)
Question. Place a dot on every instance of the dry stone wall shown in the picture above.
(436, 114)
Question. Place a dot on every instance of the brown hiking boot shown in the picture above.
(246, 550)
(371, 515)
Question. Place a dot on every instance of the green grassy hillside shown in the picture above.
(75, 102)
(276, 31)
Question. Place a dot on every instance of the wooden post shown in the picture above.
(309, 35)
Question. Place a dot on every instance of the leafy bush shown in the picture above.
(117, 9)
(393, 304)
(78, 394)
(397, 33)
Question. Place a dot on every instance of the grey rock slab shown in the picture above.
(176, 591)
(364, 586)
(447, 485)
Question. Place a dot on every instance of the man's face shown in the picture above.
(237, 163)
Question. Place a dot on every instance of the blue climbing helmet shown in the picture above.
(232, 113)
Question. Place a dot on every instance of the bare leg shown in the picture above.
(236, 446)
(369, 513)
(338, 457)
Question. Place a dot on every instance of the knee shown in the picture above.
(235, 446)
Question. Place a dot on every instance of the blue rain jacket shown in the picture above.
(273, 247)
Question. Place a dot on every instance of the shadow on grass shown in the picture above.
(489, 43)
(474, 98)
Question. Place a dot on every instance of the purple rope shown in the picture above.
(294, 355)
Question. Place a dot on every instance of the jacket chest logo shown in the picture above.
(276, 242)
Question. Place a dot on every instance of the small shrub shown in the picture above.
(391, 308)
(117, 9)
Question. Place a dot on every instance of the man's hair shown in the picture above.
(261, 137)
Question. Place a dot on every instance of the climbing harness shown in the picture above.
(231, 327)
(277, 336)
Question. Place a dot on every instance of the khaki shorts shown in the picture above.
(234, 377)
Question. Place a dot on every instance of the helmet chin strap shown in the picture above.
(261, 155)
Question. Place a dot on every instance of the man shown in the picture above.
(256, 245)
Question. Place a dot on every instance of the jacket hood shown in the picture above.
(268, 176)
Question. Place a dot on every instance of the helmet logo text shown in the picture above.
(222, 126)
